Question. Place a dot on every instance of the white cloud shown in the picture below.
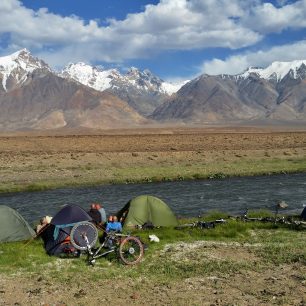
(238, 63)
(266, 18)
(169, 25)
(42, 26)
(182, 24)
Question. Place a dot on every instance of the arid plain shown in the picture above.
(34, 161)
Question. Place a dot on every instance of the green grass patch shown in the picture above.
(19, 257)
(90, 174)
(283, 254)
(273, 245)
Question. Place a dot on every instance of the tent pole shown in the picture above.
(37, 234)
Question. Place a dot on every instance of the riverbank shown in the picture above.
(33, 162)
(233, 264)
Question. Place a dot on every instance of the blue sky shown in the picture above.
(175, 39)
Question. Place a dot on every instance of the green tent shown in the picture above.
(144, 209)
(12, 226)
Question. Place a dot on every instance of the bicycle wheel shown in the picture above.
(131, 250)
(83, 235)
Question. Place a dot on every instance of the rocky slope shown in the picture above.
(32, 96)
(18, 68)
(141, 89)
(277, 92)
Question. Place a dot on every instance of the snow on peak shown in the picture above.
(277, 70)
(135, 72)
(143, 80)
(18, 65)
(22, 52)
(146, 75)
(171, 88)
(93, 77)
(148, 81)
(101, 80)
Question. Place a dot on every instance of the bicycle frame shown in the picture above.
(84, 236)
(202, 224)
(92, 256)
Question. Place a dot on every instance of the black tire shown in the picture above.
(131, 250)
(79, 233)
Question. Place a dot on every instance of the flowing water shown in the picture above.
(186, 198)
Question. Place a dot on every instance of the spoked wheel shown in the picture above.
(83, 235)
(131, 250)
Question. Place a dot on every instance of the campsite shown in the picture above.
(244, 263)
(233, 262)
(153, 152)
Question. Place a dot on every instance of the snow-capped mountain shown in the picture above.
(278, 71)
(100, 79)
(93, 77)
(15, 69)
(141, 89)
(171, 88)
(145, 80)
(277, 92)
(32, 95)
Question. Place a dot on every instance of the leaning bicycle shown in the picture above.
(84, 237)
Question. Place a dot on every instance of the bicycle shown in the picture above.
(245, 218)
(276, 220)
(201, 224)
(84, 236)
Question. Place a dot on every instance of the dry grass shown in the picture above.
(38, 162)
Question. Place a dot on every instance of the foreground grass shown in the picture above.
(180, 254)
(97, 174)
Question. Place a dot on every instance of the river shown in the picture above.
(186, 198)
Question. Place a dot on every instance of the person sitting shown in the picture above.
(94, 214)
(109, 223)
(113, 224)
(117, 224)
(102, 212)
(42, 224)
(122, 219)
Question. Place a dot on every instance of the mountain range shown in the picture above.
(33, 96)
(277, 92)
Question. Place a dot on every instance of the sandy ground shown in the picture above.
(61, 159)
(256, 285)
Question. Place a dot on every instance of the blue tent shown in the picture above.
(57, 236)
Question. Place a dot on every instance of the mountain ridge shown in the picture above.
(15, 68)
(257, 93)
(141, 89)
(34, 96)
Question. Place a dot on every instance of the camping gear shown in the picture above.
(153, 238)
(13, 227)
(57, 236)
(201, 224)
(146, 209)
(128, 249)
